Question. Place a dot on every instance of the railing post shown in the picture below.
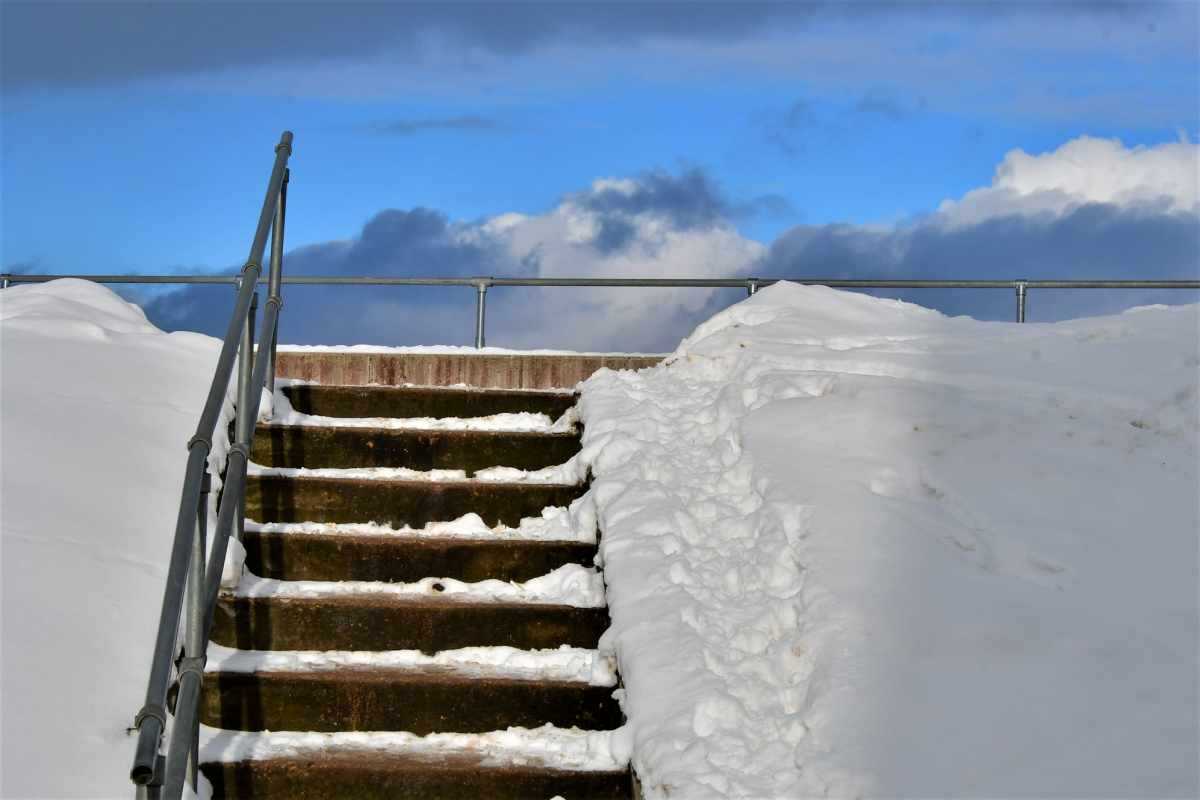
(5, 280)
(275, 276)
(194, 644)
(751, 286)
(244, 422)
(481, 287)
(1022, 287)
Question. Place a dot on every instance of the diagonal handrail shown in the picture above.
(187, 572)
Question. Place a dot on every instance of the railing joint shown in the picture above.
(204, 440)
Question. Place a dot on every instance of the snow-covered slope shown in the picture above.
(854, 547)
(96, 407)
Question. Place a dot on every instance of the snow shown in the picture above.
(564, 663)
(282, 413)
(489, 475)
(555, 524)
(856, 548)
(563, 748)
(96, 408)
(851, 547)
(570, 584)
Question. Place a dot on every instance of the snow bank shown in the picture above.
(96, 407)
(853, 547)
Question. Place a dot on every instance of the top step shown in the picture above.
(482, 370)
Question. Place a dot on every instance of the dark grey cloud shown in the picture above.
(687, 201)
(1095, 241)
(418, 242)
(81, 43)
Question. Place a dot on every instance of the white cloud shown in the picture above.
(1084, 170)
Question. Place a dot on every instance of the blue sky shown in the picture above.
(137, 136)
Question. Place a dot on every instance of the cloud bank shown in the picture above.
(1093, 208)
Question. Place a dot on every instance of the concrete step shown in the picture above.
(316, 447)
(423, 401)
(342, 557)
(398, 502)
(484, 370)
(388, 622)
(419, 701)
(461, 776)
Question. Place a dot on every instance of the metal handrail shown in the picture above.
(751, 285)
(187, 572)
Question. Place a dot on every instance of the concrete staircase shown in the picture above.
(348, 664)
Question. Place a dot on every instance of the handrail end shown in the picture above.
(285, 141)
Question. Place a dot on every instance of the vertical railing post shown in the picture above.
(275, 276)
(1022, 287)
(751, 286)
(194, 645)
(244, 421)
(481, 287)
(5, 280)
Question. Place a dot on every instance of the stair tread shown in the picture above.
(357, 557)
(321, 498)
(342, 447)
(424, 401)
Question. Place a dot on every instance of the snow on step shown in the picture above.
(569, 585)
(562, 664)
(555, 524)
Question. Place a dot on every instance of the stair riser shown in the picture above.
(429, 625)
(301, 779)
(347, 448)
(414, 503)
(407, 403)
(316, 557)
(332, 700)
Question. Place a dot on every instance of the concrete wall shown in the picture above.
(499, 371)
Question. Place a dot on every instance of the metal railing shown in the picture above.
(190, 597)
(751, 285)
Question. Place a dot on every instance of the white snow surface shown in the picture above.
(851, 548)
(96, 408)
(555, 524)
(564, 663)
(570, 584)
(856, 548)
(562, 748)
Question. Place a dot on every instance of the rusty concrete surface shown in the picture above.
(394, 775)
(412, 401)
(386, 622)
(500, 371)
(406, 559)
(318, 447)
(420, 701)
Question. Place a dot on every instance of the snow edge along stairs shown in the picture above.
(367, 661)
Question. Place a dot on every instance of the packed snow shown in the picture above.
(96, 409)
(563, 663)
(570, 585)
(555, 524)
(856, 548)
(851, 547)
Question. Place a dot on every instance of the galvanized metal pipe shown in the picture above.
(751, 286)
(276, 273)
(151, 719)
(187, 713)
(194, 642)
(1022, 289)
(481, 287)
(698, 283)
(247, 389)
